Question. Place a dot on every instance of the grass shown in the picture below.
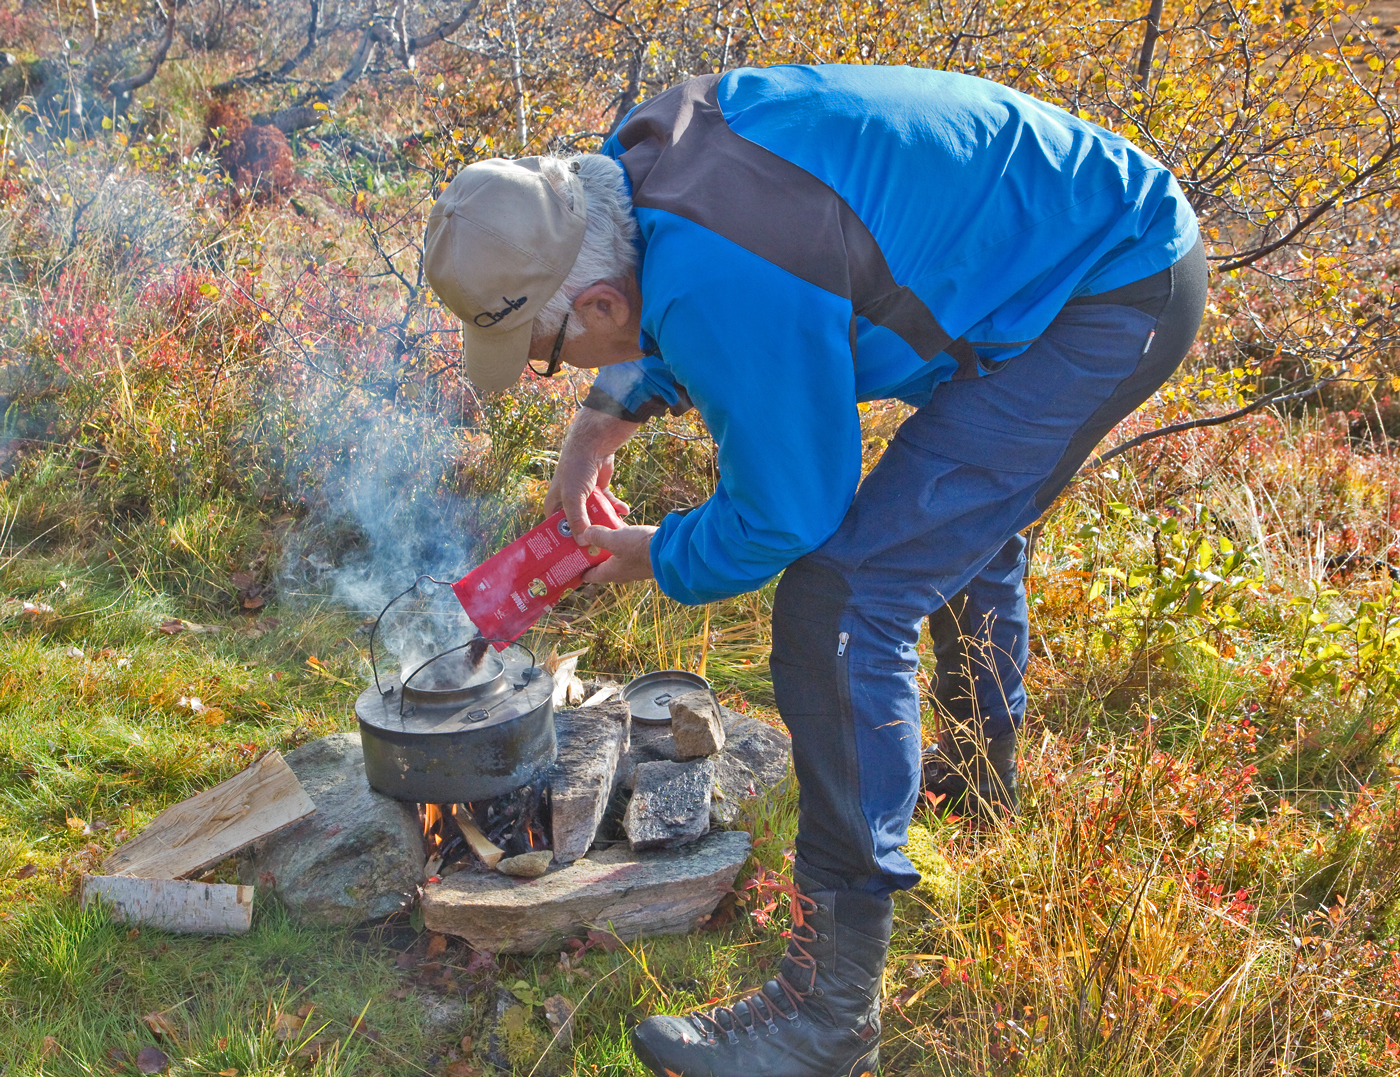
(1164, 904)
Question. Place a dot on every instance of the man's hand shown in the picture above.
(586, 462)
(631, 554)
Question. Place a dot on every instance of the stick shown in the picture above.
(480, 843)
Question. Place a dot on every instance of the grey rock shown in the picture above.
(633, 894)
(670, 804)
(358, 857)
(696, 728)
(756, 757)
(559, 1012)
(591, 742)
(650, 744)
(527, 865)
(443, 1015)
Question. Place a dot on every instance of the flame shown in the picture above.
(432, 816)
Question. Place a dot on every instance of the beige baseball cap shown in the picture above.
(500, 242)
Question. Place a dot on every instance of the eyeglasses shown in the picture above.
(553, 367)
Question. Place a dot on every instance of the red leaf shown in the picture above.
(27, 872)
(605, 940)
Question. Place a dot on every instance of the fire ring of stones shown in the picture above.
(621, 833)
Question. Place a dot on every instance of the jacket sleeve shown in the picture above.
(766, 357)
(637, 391)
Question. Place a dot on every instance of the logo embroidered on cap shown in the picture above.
(492, 317)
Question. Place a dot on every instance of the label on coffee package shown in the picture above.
(509, 592)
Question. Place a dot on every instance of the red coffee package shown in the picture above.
(509, 592)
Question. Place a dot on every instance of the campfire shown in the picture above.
(481, 835)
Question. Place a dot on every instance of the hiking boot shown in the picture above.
(819, 1017)
(972, 779)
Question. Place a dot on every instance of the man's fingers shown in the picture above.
(576, 511)
(619, 506)
(598, 535)
(605, 573)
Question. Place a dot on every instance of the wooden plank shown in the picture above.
(216, 823)
(177, 905)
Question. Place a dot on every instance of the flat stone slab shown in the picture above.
(670, 804)
(358, 857)
(591, 742)
(634, 894)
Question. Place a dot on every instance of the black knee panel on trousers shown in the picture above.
(812, 689)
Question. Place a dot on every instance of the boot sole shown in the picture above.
(867, 1066)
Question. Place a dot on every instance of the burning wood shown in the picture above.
(490, 854)
(518, 821)
(458, 836)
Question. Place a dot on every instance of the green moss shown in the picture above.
(524, 1042)
(940, 884)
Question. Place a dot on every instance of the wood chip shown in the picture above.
(481, 845)
(606, 692)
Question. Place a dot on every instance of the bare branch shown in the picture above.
(443, 30)
(1323, 207)
(1149, 42)
(124, 86)
(306, 50)
(1279, 397)
(263, 78)
(303, 112)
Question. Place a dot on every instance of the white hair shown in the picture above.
(608, 252)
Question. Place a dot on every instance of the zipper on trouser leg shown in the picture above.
(855, 821)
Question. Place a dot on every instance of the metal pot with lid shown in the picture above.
(469, 724)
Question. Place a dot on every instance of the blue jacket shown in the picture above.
(812, 237)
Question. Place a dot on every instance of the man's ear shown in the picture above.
(602, 306)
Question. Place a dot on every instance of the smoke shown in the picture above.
(315, 382)
(387, 504)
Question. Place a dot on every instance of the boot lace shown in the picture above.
(729, 1019)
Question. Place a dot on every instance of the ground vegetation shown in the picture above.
(234, 425)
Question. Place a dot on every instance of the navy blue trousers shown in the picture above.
(934, 532)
